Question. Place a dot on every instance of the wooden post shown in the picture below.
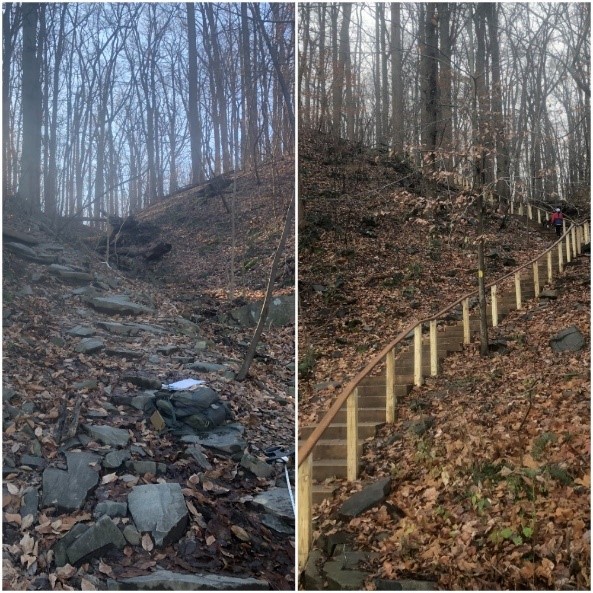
(512, 206)
(434, 356)
(586, 233)
(494, 300)
(418, 378)
(550, 268)
(560, 264)
(518, 289)
(579, 239)
(529, 212)
(536, 277)
(466, 327)
(521, 209)
(573, 234)
(539, 216)
(563, 226)
(304, 506)
(390, 387)
(352, 436)
(567, 239)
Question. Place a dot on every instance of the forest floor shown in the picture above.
(185, 321)
(496, 494)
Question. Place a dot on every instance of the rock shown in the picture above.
(344, 580)
(225, 439)
(405, 585)
(19, 236)
(146, 467)
(67, 490)
(25, 291)
(167, 350)
(365, 499)
(86, 384)
(159, 509)
(114, 459)
(124, 353)
(33, 461)
(118, 305)
(69, 275)
(312, 579)
(166, 580)
(276, 524)
(548, 293)
(28, 408)
(132, 535)
(111, 509)
(201, 345)
(276, 501)
(7, 394)
(90, 345)
(256, 466)
(30, 503)
(197, 453)
(420, 426)
(61, 557)
(568, 340)
(205, 367)
(95, 541)
(187, 328)
(142, 381)
(280, 312)
(108, 435)
(334, 542)
(143, 402)
(29, 254)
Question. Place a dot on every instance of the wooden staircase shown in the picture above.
(330, 452)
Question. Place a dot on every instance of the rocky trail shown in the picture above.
(111, 479)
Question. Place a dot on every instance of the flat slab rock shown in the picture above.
(276, 501)
(367, 498)
(96, 540)
(108, 435)
(159, 509)
(166, 580)
(118, 304)
(226, 439)
(67, 490)
(568, 340)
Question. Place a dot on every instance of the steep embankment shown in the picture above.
(375, 253)
(78, 442)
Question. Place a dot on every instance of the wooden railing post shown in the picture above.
(563, 226)
(466, 327)
(512, 206)
(305, 516)
(494, 300)
(518, 289)
(567, 239)
(586, 233)
(434, 356)
(529, 212)
(560, 263)
(390, 387)
(521, 209)
(539, 216)
(352, 436)
(418, 378)
(536, 277)
(550, 268)
(573, 234)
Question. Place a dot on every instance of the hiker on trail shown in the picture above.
(556, 221)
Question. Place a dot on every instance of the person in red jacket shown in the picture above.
(556, 220)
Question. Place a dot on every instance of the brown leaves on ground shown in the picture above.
(497, 494)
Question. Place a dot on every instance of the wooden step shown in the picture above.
(339, 430)
(367, 393)
(320, 492)
(365, 414)
(325, 469)
(332, 448)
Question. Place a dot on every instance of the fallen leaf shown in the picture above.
(65, 572)
(12, 518)
(240, 533)
(86, 585)
(108, 478)
(13, 488)
(147, 543)
(210, 540)
(105, 568)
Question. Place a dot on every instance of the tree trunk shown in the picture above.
(397, 85)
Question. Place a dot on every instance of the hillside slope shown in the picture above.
(70, 363)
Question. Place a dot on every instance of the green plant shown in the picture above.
(479, 503)
(307, 362)
(540, 443)
(509, 534)
(414, 271)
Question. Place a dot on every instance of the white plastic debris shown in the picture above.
(183, 385)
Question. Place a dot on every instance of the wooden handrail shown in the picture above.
(306, 449)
